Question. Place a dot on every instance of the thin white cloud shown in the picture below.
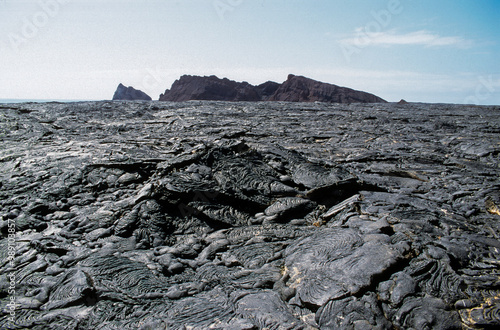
(363, 38)
(392, 85)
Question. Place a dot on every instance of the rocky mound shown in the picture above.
(210, 88)
(209, 215)
(294, 89)
(302, 89)
(129, 94)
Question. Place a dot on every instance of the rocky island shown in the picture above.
(123, 93)
(250, 215)
(294, 89)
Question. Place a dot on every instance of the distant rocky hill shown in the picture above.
(294, 89)
(302, 89)
(129, 94)
(210, 88)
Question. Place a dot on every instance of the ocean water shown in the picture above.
(38, 100)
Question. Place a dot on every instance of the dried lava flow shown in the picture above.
(249, 215)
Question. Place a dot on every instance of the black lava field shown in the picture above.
(249, 215)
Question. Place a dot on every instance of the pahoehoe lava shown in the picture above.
(250, 215)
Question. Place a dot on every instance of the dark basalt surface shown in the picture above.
(273, 215)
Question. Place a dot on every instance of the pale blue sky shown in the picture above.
(423, 51)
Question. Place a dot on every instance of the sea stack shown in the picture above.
(123, 93)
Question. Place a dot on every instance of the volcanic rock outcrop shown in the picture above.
(129, 94)
(294, 89)
(302, 89)
(210, 88)
(244, 215)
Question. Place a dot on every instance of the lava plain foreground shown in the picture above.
(239, 215)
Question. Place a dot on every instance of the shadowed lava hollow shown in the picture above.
(236, 215)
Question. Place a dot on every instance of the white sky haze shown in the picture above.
(423, 51)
